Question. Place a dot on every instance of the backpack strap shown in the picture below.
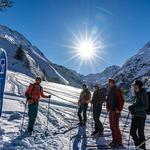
(32, 89)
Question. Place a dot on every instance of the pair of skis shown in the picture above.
(101, 146)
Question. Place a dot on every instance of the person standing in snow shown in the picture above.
(97, 101)
(115, 102)
(33, 94)
(83, 102)
(138, 114)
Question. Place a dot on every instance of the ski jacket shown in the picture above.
(115, 99)
(85, 97)
(140, 104)
(99, 97)
(34, 92)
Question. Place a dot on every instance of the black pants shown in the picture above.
(137, 131)
(32, 113)
(96, 116)
(82, 108)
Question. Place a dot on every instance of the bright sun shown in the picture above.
(86, 49)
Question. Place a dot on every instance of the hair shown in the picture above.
(112, 81)
(97, 85)
(139, 83)
(84, 85)
(38, 78)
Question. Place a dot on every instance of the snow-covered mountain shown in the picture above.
(103, 76)
(28, 59)
(136, 67)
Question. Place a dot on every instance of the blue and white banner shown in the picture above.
(3, 68)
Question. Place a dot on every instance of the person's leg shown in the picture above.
(133, 131)
(111, 125)
(85, 106)
(31, 117)
(35, 112)
(101, 128)
(79, 114)
(141, 126)
(95, 119)
(116, 129)
(98, 124)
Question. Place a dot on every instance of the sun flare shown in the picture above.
(86, 49)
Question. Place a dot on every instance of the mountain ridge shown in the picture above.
(34, 63)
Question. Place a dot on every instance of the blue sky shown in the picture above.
(123, 26)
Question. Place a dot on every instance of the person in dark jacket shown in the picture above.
(114, 109)
(83, 102)
(97, 101)
(33, 94)
(138, 114)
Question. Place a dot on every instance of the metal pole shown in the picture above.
(125, 123)
(47, 117)
(23, 118)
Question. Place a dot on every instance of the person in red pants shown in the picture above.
(115, 102)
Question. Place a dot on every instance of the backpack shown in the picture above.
(121, 100)
(30, 96)
(148, 109)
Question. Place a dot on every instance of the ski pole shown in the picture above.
(71, 126)
(47, 116)
(129, 141)
(125, 123)
(23, 117)
(138, 147)
(90, 113)
(92, 117)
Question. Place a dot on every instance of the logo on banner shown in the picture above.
(2, 65)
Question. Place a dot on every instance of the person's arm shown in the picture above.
(144, 103)
(43, 95)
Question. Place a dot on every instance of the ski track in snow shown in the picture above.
(62, 117)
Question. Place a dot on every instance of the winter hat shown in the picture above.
(139, 83)
(112, 81)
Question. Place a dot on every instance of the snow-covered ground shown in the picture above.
(62, 117)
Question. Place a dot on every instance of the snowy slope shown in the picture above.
(34, 62)
(136, 67)
(103, 76)
(62, 117)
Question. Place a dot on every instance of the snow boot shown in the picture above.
(111, 143)
(94, 133)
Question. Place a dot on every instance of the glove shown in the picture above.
(49, 96)
(131, 108)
